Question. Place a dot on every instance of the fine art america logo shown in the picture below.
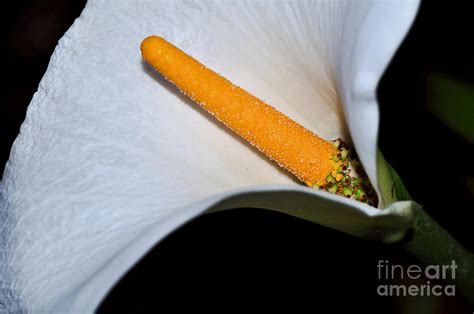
(426, 275)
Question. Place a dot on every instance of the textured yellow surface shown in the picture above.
(292, 146)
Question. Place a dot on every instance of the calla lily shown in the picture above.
(111, 158)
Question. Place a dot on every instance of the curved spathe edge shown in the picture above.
(329, 210)
(387, 24)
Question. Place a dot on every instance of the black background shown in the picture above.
(254, 259)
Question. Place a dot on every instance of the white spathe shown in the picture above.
(111, 158)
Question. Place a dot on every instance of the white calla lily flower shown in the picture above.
(111, 158)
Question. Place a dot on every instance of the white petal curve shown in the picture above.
(388, 225)
(380, 27)
(109, 151)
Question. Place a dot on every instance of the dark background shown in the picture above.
(249, 258)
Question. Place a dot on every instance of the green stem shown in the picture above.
(430, 244)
